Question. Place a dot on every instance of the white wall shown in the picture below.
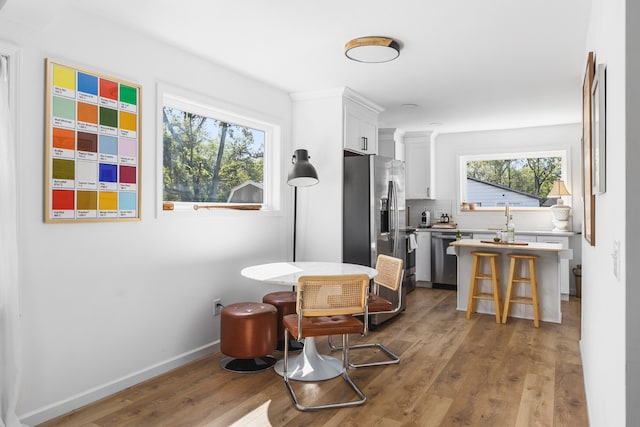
(317, 127)
(449, 147)
(108, 304)
(604, 297)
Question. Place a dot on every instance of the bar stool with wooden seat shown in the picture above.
(531, 280)
(477, 275)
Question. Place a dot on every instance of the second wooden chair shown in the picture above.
(389, 277)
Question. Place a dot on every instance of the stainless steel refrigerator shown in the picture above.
(374, 220)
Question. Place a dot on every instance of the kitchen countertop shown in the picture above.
(493, 230)
(526, 246)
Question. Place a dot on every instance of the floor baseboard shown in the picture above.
(79, 400)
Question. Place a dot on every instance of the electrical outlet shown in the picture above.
(217, 306)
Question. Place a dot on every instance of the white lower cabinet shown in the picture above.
(564, 263)
(525, 237)
(423, 256)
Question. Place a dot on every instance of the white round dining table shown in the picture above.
(309, 365)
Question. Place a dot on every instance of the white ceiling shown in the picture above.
(467, 64)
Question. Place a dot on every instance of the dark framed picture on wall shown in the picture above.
(598, 122)
(587, 194)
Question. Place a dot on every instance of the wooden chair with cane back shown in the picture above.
(327, 305)
(389, 276)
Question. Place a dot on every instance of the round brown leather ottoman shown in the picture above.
(248, 336)
(285, 303)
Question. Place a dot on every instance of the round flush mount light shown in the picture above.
(372, 49)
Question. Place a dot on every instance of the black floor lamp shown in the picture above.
(301, 174)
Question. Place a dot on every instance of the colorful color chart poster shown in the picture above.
(92, 146)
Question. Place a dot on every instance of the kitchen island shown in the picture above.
(547, 268)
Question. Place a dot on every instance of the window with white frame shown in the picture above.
(523, 180)
(212, 156)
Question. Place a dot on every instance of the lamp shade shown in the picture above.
(302, 173)
(559, 189)
(560, 211)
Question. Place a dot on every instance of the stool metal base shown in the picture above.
(247, 365)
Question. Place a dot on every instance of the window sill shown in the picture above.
(170, 206)
(169, 209)
(247, 207)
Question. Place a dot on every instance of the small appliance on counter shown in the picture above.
(425, 219)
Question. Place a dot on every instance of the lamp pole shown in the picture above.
(301, 174)
(295, 219)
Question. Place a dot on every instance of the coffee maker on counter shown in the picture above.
(425, 219)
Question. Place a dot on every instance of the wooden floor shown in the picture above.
(453, 372)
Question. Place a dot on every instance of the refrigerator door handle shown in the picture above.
(390, 220)
(395, 216)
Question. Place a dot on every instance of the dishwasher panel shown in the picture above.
(444, 267)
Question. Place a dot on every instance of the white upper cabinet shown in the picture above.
(419, 165)
(360, 124)
(390, 143)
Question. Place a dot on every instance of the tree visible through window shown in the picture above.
(209, 160)
(519, 181)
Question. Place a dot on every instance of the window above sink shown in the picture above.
(524, 180)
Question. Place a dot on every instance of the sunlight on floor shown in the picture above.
(259, 417)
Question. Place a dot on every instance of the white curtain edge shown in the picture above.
(10, 342)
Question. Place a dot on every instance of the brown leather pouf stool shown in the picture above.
(248, 336)
(285, 303)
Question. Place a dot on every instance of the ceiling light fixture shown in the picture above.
(372, 49)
